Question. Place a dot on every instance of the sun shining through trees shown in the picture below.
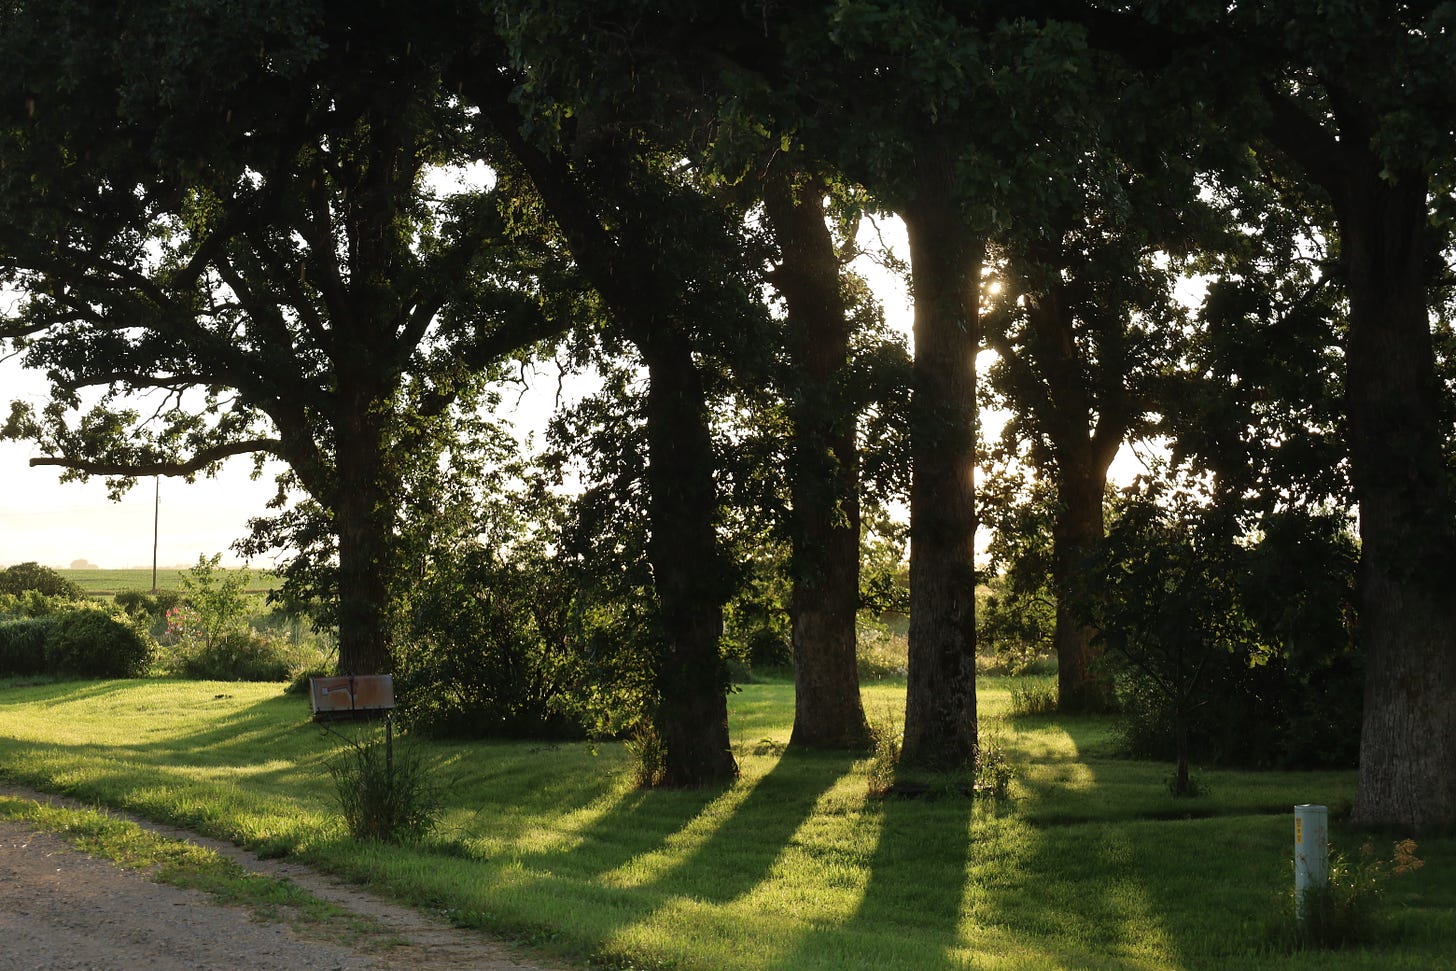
(878, 484)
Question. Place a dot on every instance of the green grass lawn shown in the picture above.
(111, 582)
(1090, 864)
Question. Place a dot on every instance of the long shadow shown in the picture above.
(710, 847)
(639, 823)
(740, 852)
(914, 891)
(734, 853)
(28, 692)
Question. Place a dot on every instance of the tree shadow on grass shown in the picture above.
(911, 908)
(710, 844)
(740, 852)
(29, 691)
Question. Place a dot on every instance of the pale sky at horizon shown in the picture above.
(55, 523)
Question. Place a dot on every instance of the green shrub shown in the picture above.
(96, 642)
(1347, 912)
(1268, 715)
(756, 628)
(216, 599)
(880, 652)
(994, 770)
(23, 645)
(136, 602)
(31, 603)
(497, 653)
(1033, 696)
(165, 600)
(24, 577)
(648, 753)
(885, 739)
(385, 796)
(151, 608)
(299, 683)
(208, 635)
(1014, 627)
(239, 655)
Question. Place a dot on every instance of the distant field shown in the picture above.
(111, 582)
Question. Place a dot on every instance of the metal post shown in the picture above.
(156, 525)
(1311, 854)
(389, 746)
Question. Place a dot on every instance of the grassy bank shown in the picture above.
(1091, 864)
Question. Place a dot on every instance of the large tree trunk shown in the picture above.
(824, 472)
(1076, 531)
(1082, 455)
(1408, 553)
(691, 676)
(945, 259)
(364, 521)
(1407, 547)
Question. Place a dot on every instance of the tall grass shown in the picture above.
(1088, 862)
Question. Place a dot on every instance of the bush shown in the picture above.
(385, 796)
(31, 603)
(880, 652)
(216, 599)
(993, 770)
(1033, 696)
(756, 627)
(1266, 715)
(885, 740)
(648, 754)
(500, 651)
(1014, 628)
(95, 642)
(298, 684)
(24, 577)
(1347, 912)
(208, 636)
(135, 602)
(239, 655)
(23, 645)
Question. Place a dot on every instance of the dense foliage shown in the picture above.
(26, 577)
(96, 642)
(1228, 227)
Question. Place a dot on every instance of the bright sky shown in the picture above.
(56, 523)
(52, 523)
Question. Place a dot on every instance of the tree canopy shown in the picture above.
(229, 229)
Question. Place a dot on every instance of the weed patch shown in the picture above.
(385, 791)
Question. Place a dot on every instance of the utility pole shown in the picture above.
(156, 525)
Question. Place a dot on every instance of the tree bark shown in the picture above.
(824, 471)
(1076, 531)
(364, 521)
(1081, 456)
(1408, 552)
(1407, 547)
(945, 259)
(692, 678)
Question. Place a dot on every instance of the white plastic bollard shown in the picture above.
(1311, 853)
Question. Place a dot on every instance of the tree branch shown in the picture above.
(1306, 142)
(197, 463)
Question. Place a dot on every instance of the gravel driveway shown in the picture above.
(61, 909)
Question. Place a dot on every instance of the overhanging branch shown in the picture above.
(192, 466)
